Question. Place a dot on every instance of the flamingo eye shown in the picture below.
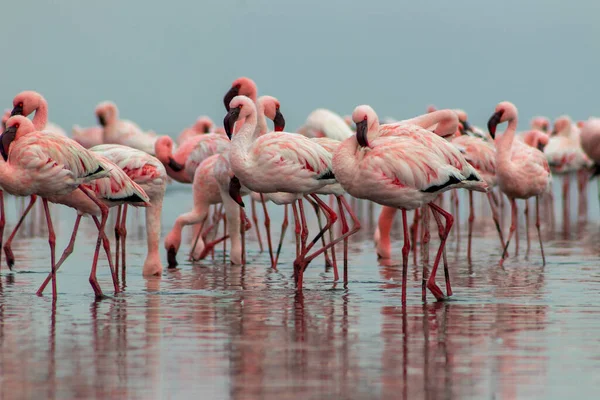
(365, 118)
(238, 86)
(277, 107)
(17, 126)
(20, 104)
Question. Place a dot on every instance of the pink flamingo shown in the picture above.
(325, 123)
(590, 143)
(147, 172)
(29, 101)
(48, 165)
(123, 132)
(87, 137)
(522, 170)
(278, 162)
(202, 126)
(404, 170)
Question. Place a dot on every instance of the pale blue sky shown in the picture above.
(167, 63)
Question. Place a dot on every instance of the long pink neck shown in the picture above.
(445, 122)
(40, 119)
(504, 143)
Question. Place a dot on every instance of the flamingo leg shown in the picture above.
(52, 243)
(297, 228)
(493, 203)
(256, 228)
(106, 246)
(527, 226)
(566, 202)
(268, 230)
(224, 234)
(118, 238)
(471, 219)
(123, 239)
(66, 253)
(425, 238)
(304, 233)
(345, 230)
(513, 228)
(457, 205)
(10, 258)
(243, 233)
(405, 251)
(198, 236)
(444, 258)
(328, 262)
(284, 226)
(431, 285)
(537, 225)
(414, 230)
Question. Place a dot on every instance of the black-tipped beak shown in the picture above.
(101, 120)
(493, 123)
(172, 257)
(5, 140)
(206, 129)
(229, 120)
(361, 133)
(234, 190)
(279, 121)
(540, 146)
(174, 165)
(467, 126)
(234, 91)
(17, 110)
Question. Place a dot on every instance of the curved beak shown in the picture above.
(540, 146)
(5, 140)
(229, 120)
(174, 165)
(101, 120)
(172, 257)
(234, 91)
(493, 123)
(361, 134)
(17, 110)
(234, 190)
(206, 129)
(279, 121)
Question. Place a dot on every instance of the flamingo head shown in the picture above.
(107, 113)
(541, 124)
(26, 102)
(505, 111)
(271, 108)
(365, 119)
(463, 122)
(16, 127)
(240, 107)
(240, 87)
(580, 124)
(561, 124)
(163, 147)
(203, 125)
(431, 108)
(235, 188)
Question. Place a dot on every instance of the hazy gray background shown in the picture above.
(166, 63)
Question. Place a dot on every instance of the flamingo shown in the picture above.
(522, 171)
(590, 143)
(87, 137)
(404, 170)
(48, 165)
(118, 131)
(325, 123)
(28, 102)
(278, 162)
(146, 171)
(202, 125)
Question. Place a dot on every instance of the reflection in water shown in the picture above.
(221, 331)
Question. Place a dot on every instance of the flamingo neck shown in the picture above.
(445, 122)
(261, 127)
(504, 143)
(153, 220)
(40, 119)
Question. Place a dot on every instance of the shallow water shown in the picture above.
(217, 331)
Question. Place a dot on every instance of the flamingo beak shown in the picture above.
(101, 120)
(172, 257)
(493, 123)
(279, 121)
(234, 190)
(467, 126)
(174, 165)
(361, 133)
(541, 146)
(206, 129)
(230, 119)
(234, 91)
(17, 110)
(5, 140)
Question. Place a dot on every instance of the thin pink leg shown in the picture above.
(527, 225)
(106, 245)
(431, 285)
(537, 225)
(123, 239)
(425, 238)
(345, 230)
(52, 243)
(414, 230)
(224, 234)
(284, 226)
(495, 217)
(64, 256)
(471, 219)
(405, 251)
(256, 228)
(513, 228)
(328, 262)
(118, 238)
(566, 202)
(444, 258)
(268, 230)
(10, 258)
(304, 233)
(243, 232)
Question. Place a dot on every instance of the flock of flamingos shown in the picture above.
(401, 165)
